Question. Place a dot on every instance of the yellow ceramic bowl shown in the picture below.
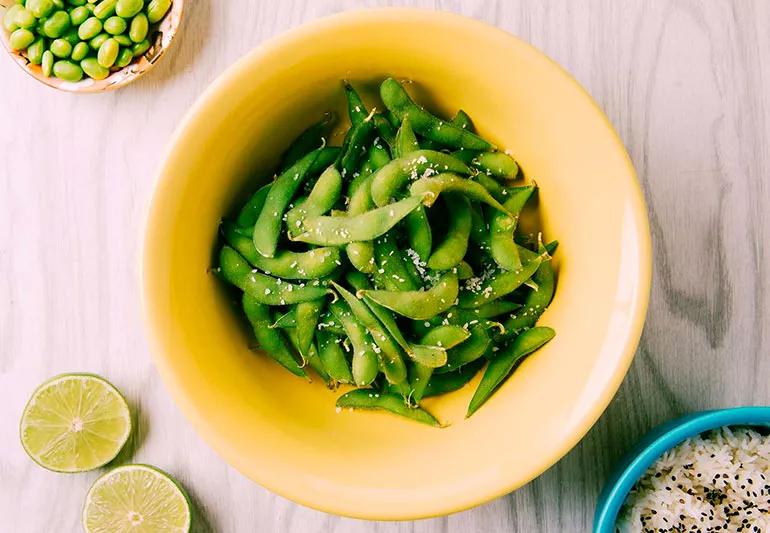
(285, 433)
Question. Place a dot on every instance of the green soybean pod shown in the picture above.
(500, 284)
(105, 9)
(263, 288)
(270, 340)
(79, 15)
(336, 231)
(452, 381)
(502, 227)
(25, 19)
(157, 9)
(463, 120)
(420, 305)
(108, 53)
(389, 352)
(116, 26)
(40, 8)
(61, 48)
(445, 336)
(139, 28)
(309, 356)
(365, 364)
(140, 48)
(98, 41)
(400, 103)
(35, 51)
(419, 376)
(332, 357)
(93, 69)
(56, 25)
(308, 314)
(451, 250)
(502, 364)
(79, 52)
(356, 109)
(89, 29)
(21, 39)
(67, 70)
(128, 8)
(9, 17)
(385, 401)
(124, 57)
(47, 63)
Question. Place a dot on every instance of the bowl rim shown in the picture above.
(219, 87)
(655, 443)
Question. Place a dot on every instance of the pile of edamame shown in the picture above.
(70, 38)
(392, 263)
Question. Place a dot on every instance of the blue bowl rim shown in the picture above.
(655, 443)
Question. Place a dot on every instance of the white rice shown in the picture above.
(719, 481)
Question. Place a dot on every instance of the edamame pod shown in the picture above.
(267, 228)
(450, 252)
(398, 101)
(419, 376)
(468, 351)
(307, 141)
(270, 340)
(462, 120)
(309, 356)
(332, 357)
(249, 213)
(336, 231)
(432, 356)
(365, 365)
(389, 352)
(430, 188)
(501, 228)
(393, 176)
(496, 164)
(356, 108)
(536, 301)
(313, 264)
(447, 336)
(501, 365)
(392, 272)
(308, 314)
(325, 193)
(498, 285)
(452, 381)
(420, 305)
(369, 399)
(406, 141)
(263, 288)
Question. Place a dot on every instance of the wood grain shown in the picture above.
(687, 85)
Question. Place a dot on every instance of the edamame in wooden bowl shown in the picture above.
(288, 434)
(88, 46)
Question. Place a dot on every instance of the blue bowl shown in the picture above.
(658, 441)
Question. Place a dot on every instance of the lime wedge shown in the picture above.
(136, 498)
(74, 423)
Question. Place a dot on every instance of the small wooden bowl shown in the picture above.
(163, 35)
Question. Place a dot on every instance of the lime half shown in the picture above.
(136, 498)
(74, 423)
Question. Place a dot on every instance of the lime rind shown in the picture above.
(91, 441)
(138, 498)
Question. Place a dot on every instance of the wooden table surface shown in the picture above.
(686, 84)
